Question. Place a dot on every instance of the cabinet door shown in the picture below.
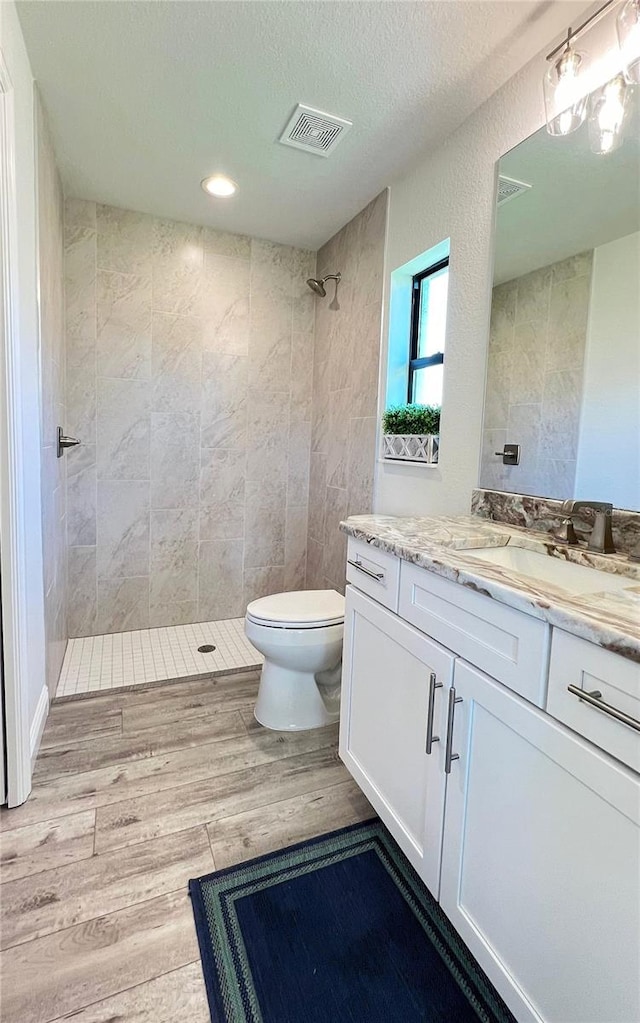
(541, 860)
(386, 683)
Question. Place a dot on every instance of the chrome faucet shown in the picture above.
(601, 538)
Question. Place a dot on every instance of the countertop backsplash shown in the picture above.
(544, 514)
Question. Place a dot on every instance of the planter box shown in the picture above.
(411, 447)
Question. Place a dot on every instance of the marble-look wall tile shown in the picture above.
(178, 289)
(299, 460)
(315, 579)
(361, 464)
(317, 495)
(320, 417)
(268, 437)
(123, 429)
(174, 612)
(260, 582)
(345, 390)
(83, 591)
(222, 494)
(226, 305)
(51, 272)
(80, 279)
(123, 325)
(177, 244)
(335, 552)
(560, 415)
(265, 517)
(534, 377)
(175, 462)
(173, 555)
(176, 362)
(123, 604)
(224, 401)
(123, 528)
(301, 377)
(338, 447)
(295, 547)
(160, 368)
(365, 369)
(81, 389)
(220, 580)
(525, 423)
(124, 240)
(81, 495)
(222, 243)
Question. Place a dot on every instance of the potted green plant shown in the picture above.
(411, 433)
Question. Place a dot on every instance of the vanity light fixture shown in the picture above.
(607, 108)
(220, 186)
(565, 84)
(628, 28)
(565, 99)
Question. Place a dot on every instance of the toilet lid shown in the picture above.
(299, 609)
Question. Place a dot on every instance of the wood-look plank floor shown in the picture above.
(134, 793)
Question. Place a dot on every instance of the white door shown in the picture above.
(541, 860)
(391, 674)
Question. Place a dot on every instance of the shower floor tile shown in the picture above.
(97, 664)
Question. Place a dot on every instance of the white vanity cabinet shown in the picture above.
(527, 834)
(394, 682)
(541, 860)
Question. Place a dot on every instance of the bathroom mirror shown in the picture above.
(563, 375)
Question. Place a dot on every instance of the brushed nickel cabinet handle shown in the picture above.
(449, 755)
(431, 738)
(366, 571)
(594, 699)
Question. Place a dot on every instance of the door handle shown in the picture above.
(65, 442)
(433, 685)
(449, 755)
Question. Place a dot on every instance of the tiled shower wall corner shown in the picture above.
(189, 355)
(345, 390)
(535, 376)
(52, 360)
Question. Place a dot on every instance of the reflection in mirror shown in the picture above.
(563, 377)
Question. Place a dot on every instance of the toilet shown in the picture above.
(300, 635)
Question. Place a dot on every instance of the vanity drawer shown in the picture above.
(374, 572)
(510, 646)
(587, 667)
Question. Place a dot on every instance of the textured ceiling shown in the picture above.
(147, 98)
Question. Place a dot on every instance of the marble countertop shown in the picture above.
(445, 547)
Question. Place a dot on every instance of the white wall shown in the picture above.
(450, 194)
(608, 466)
(17, 62)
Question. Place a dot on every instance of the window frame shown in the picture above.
(416, 362)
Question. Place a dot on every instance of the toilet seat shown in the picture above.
(304, 609)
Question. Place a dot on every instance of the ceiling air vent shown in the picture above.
(509, 188)
(314, 131)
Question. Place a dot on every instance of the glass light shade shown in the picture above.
(565, 94)
(628, 26)
(607, 109)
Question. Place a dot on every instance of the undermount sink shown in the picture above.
(544, 568)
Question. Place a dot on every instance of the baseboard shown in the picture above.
(38, 723)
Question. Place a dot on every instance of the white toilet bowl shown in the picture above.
(300, 635)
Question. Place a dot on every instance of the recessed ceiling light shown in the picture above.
(219, 185)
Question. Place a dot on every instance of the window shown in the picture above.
(428, 326)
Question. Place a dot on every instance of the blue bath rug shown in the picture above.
(336, 930)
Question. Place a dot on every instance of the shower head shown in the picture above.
(317, 284)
